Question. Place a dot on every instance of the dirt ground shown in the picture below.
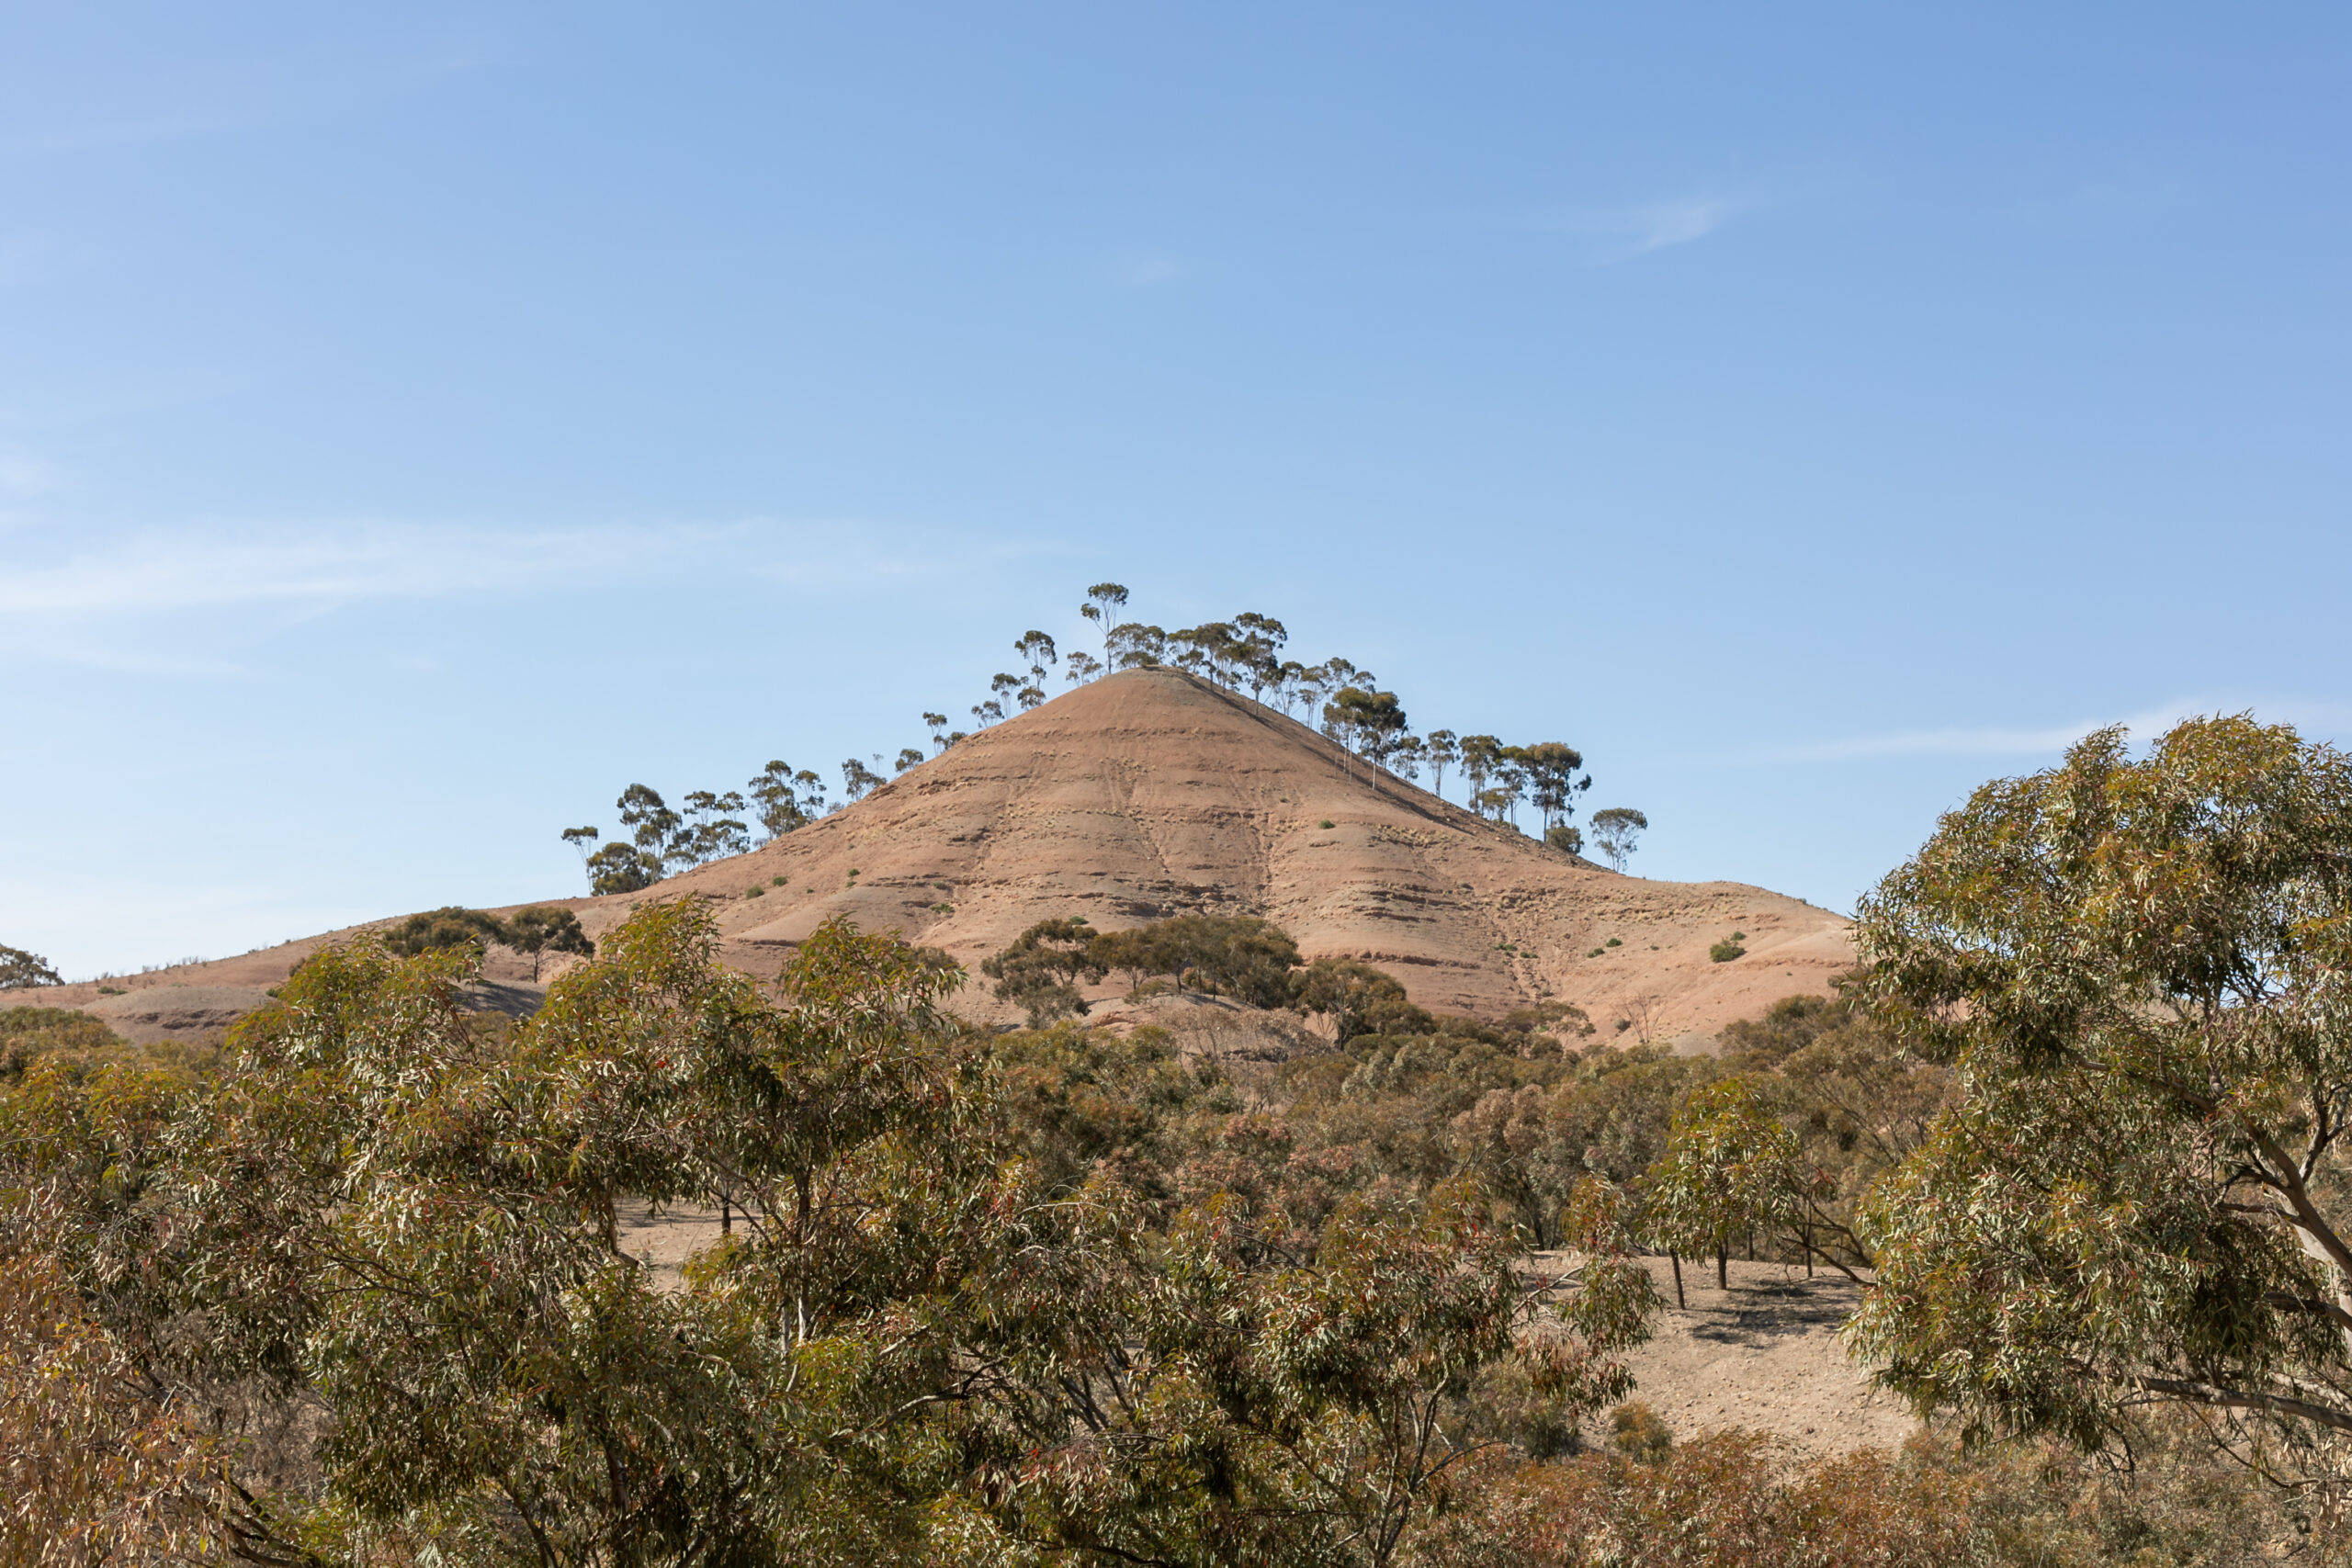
(1764, 1355)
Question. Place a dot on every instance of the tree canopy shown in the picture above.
(2139, 970)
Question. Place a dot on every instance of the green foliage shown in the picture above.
(447, 927)
(1040, 971)
(1616, 830)
(1725, 952)
(1235, 956)
(1730, 1169)
(1569, 841)
(622, 868)
(539, 930)
(1639, 1432)
(1359, 1000)
(2138, 969)
(1040, 1294)
(20, 970)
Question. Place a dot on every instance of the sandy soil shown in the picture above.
(1765, 1356)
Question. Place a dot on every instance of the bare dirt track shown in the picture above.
(1151, 793)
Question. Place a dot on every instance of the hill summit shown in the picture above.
(1153, 793)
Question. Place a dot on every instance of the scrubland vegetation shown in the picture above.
(350, 1292)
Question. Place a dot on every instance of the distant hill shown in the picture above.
(1153, 793)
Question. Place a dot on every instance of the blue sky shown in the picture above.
(418, 422)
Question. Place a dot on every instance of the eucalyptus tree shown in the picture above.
(1552, 783)
(712, 830)
(775, 800)
(654, 829)
(987, 712)
(1079, 668)
(1481, 755)
(813, 793)
(582, 839)
(1209, 650)
(857, 779)
(1288, 683)
(937, 724)
(2139, 970)
(1443, 749)
(20, 970)
(909, 756)
(1261, 640)
(1616, 830)
(1367, 723)
(1730, 1169)
(1135, 645)
(1405, 756)
(1103, 601)
(542, 929)
(622, 868)
(1038, 650)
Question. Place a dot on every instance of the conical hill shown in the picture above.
(1151, 793)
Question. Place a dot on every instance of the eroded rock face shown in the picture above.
(1149, 793)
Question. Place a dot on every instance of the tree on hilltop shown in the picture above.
(1260, 639)
(909, 756)
(622, 868)
(775, 792)
(20, 970)
(1079, 668)
(937, 724)
(656, 830)
(712, 830)
(1481, 756)
(1615, 830)
(1442, 748)
(1038, 650)
(1103, 601)
(857, 779)
(1551, 783)
(583, 840)
(1135, 645)
(1365, 723)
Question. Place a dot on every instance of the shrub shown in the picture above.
(1725, 952)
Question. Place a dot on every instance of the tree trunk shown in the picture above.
(1723, 1267)
(1677, 1279)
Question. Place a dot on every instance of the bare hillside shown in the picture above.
(1151, 793)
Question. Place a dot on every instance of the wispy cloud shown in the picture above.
(316, 569)
(159, 570)
(1621, 233)
(2048, 741)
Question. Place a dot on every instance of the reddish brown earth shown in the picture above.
(1150, 793)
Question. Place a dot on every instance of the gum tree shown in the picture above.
(2143, 974)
